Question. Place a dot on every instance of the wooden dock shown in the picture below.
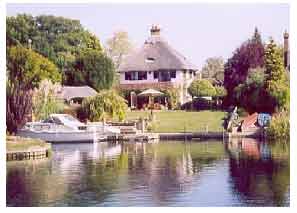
(139, 137)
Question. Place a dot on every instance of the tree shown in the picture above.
(118, 46)
(45, 100)
(276, 82)
(106, 104)
(251, 95)
(249, 55)
(57, 38)
(200, 88)
(214, 68)
(18, 106)
(92, 68)
(27, 68)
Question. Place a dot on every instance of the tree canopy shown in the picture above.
(214, 68)
(200, 88)
(27, 68)
(91, 68)
(57, 38)
(118, 46)
(251, 54)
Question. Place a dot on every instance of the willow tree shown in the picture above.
(106, 104)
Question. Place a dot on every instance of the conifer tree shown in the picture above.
(276, 83)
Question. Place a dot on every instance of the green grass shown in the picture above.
(180, 121)
(20, 144)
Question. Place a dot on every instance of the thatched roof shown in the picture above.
(156, 54)
(70, 92)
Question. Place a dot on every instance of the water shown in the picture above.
(238, 173)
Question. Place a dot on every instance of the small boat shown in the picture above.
(65, 128)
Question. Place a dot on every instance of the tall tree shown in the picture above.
(214, 68)
(276, 82)
(248, 56)
(118, 46)
(92, 68)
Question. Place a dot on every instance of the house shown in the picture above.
(158, 66)
(75, 94)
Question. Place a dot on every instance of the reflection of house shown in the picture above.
(157, 65)
(75, 94)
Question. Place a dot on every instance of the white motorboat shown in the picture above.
(65, 128)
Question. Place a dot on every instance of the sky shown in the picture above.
(197, 30)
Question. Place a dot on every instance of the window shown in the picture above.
(172, 74)
(149, 60)
(156, 74)
(142, 75)
(127, 75)
(134, 75)
(164, 76)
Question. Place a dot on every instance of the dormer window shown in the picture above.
(149, 60)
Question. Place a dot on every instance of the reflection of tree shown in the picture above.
(32, 183)
(168, 169)
(84, 175)
(265, 179)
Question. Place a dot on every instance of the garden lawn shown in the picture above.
(181, 121)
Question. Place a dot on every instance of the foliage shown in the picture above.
(27, 68)
(107, 104)
(173, 97)
(92, 68)
(56, 38)
(118, 46)
(249, 55)
(279, 127)
(252, 95)
(18, 106)
(220, 92)
(214, 68)
(200, 88)
(276, 82)
(45, 100)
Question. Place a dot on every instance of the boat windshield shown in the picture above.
(52, 120)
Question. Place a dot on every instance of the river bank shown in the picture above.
(18, 148)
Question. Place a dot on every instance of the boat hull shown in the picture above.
(62, 136)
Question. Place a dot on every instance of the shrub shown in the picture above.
(279, 127)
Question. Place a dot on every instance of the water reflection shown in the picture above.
(259, 172)
(163, 174)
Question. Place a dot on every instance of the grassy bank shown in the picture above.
(180, 121)
(18, 144)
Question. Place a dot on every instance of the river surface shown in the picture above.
(237, 173)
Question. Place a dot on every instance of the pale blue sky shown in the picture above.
(198, 31)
